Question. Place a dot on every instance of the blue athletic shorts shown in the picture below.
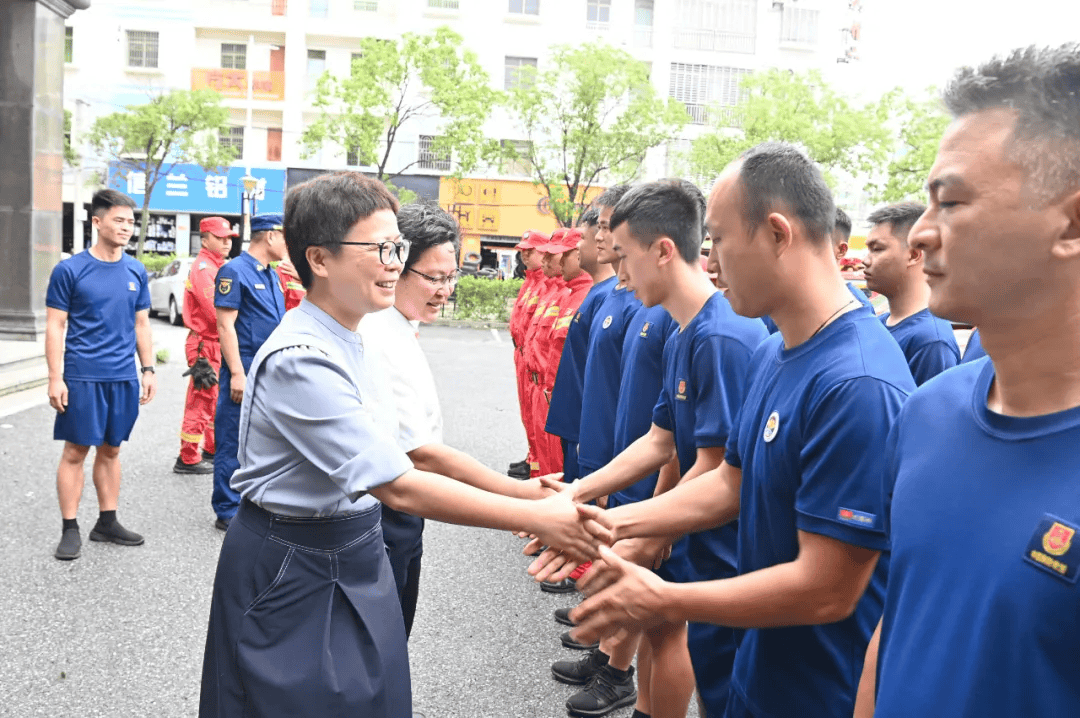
(98, 412)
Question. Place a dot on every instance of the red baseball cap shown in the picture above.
(531, 240)
(217, 226)
(562, 240)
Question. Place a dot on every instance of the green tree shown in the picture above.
(590, 115)
(394, 84)
(177, 127)
(920, 124)
(802, 109)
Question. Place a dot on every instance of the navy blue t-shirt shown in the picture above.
(564, 412)
(642, 377)
(982, 610)
(255, 292)
(974, 349)
(928, 343)
(101, 299)
(810, 441)
(706, 375)
(858, 294)
(600, 391)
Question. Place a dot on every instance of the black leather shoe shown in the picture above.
(200, 467)
(581, 671)
(115, 533)
(70, 545)
(562, 615)
(603, 694)
(519, 465)
(222, 524)
(208, 455)
(567, 585)
(518, 472)
(569, 642)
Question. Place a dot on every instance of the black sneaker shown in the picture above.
(70, 545)
(581, 671)
(115, 533)
(569, 642)
(562, 615)
(603, 694)
(519, 465)
(222, 524)
(567, 585)
(208, 456)
(199, 467)
(518, 472)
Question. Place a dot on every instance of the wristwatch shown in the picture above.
(148, 369)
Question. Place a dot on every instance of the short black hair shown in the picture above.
(662, 209)
(776, 173)
(321, 211)
(900, 217)
(842, 227)
(105, 199)
(426, 226)
(610, 197)
(1042, 85)
(694, 191)
(590, 217)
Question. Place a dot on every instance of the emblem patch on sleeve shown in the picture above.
(224, 286)
(1052, 549)
(856, 518)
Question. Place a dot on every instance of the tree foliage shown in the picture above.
(803, 109)
(177, 127)
(920, 124)
(393, 85)
(71, 158)
(590, 115)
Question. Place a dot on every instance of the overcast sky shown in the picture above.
(917, 43)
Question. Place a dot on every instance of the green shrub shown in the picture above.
(156, 262)
(482, 298)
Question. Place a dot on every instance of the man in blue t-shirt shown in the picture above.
(974, 349)
(982, 609)
(895, 269)
(250, 303)
(800, 467)
(97, 319)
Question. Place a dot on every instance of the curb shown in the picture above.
(469, 323)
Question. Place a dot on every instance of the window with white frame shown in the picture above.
(720, 25)
(705, 88)
(799, 25)
(233, 56)
(431, 159)
(366, 5)
(519, 72)
(643, 23)
(142, 48)
(597, 14)
(316, 66)
(319, 8)
(233, 137)
(525, 7)
(518, 166)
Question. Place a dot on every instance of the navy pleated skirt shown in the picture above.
(305, 621)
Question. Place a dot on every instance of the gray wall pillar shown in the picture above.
(31, 157)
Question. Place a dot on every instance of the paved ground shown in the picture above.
(120, 632)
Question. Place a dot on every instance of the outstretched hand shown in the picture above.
(622, 596)
(559, 525)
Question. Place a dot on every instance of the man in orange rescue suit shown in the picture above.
(202, 342)
(520, 317)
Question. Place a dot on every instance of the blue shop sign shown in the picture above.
(190, 188)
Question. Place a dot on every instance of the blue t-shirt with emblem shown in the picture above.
(974, 349)
(982, 610)
(600, 391)
(254, 290)
(705, 377)
(639, 388)
(101, 299)
(810, 441)
(564, 412)
(855, 291)
(928, 343)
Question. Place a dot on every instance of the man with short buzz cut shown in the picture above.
(97, 321)
(810, 508)
(250, 303)
(200, 318)
(982, 460)
(894, 269)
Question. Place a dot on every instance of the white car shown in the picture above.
(167, 290)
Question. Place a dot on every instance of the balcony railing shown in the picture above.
(716, 40)
(266, 85)
(725, 116)
(643, 37)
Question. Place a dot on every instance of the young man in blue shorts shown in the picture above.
(800, 468)
(982, 610)
(894, 269)
(97, 318)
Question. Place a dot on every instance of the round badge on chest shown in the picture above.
(772, 425)
(607, 321)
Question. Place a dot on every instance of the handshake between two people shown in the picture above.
(623, 592)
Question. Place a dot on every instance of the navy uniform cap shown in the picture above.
(267, 221)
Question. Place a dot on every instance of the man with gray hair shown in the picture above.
(981, 611)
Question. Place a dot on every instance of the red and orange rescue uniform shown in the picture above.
(291, 288)
(547, 311)
(202, 340)
(524, 308)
